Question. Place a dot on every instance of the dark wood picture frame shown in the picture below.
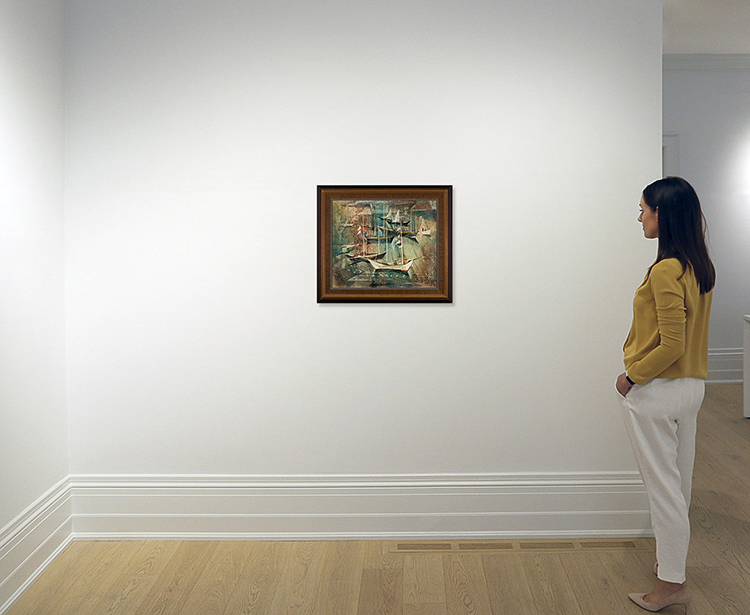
(385, 243)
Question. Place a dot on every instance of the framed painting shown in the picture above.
(385, 243)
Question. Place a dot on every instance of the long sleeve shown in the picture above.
(668, 291)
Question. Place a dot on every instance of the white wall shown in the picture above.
(35, 511)
(33, 426)
(197, 133)
(707, 105)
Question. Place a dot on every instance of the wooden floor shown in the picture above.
(367, 578)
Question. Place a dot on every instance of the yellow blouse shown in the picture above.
(669, 334)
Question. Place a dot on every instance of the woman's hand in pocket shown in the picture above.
(622, 385)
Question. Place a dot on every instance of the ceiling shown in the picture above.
(706, 26)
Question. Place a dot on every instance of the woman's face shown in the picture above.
(649, 218)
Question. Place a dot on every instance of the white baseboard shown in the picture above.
(725, 366)
(359, 507)
(377, 507)
(707, 61)
(32, 541)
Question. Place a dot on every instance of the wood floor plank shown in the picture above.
(425, 609)
(721, 439)
(719, 472)
(507, 585)
(725, 593)
(177, 579)
(550, 585)
(379, 557)
(381, 584)
(424, 584)
(726, 403)
(341, 578)
(257, 584)
(300, 580)
(96, 588)
(214, 588)
(628, 572)
(700, 602)
(728, 538)
(465, 585)
(150, 562)
(720, 475)
(381, 591)
(592, 585)
(704, 540)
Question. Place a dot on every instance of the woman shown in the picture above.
(666, 362)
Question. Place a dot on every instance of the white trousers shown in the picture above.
(661, 417)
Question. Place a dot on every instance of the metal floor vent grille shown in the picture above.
(521, 546)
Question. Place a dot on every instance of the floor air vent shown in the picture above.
(522, 546)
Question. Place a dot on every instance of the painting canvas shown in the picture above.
(378, 243)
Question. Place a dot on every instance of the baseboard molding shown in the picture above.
(725, 366)
(32, 541)
(332, 507)
(707, 61)
(359, 507)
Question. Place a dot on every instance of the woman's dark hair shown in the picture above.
(682, 228)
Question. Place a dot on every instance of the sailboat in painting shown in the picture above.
(394, 227)
(378, 245)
